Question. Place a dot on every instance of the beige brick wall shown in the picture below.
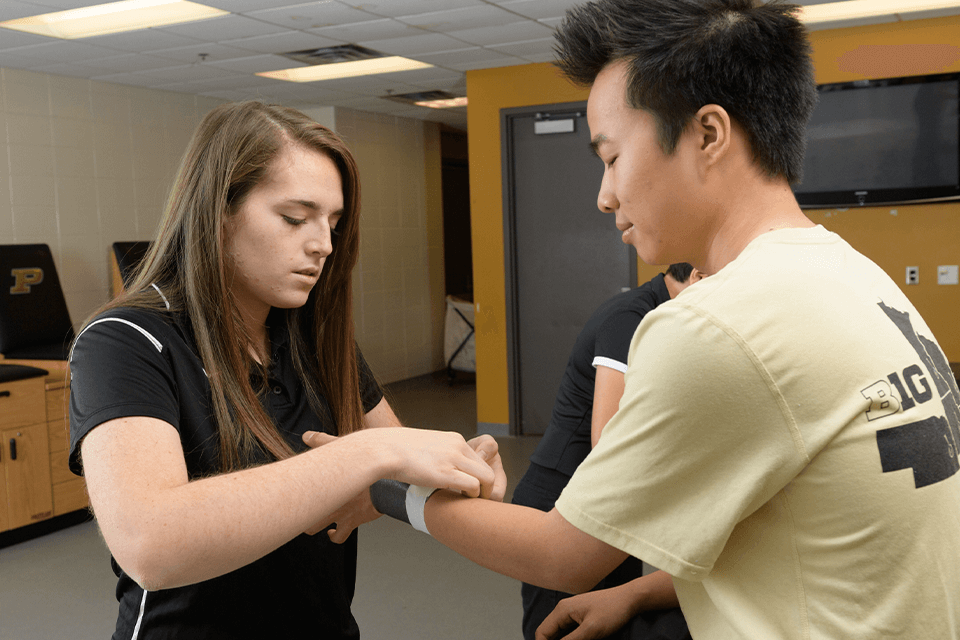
(84, 164)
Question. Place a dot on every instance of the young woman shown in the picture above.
(192, 393)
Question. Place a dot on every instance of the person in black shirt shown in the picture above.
(588, 396)
(192, 392)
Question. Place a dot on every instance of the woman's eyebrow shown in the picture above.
(313, 206)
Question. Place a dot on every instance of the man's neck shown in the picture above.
(750, 210)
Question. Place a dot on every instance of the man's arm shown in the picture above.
(607, 390)
(599, 614)
(523, 543)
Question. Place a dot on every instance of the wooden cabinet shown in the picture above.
(69, 491)
(26, 495)
(38, 484)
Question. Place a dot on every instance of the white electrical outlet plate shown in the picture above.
(913, 275)
(948, 274)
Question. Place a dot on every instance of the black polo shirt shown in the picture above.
(133, 362)
(605, 338)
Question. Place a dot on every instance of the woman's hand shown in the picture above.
(488, 449)
(440, 459)
(359, 510)
(348, 517)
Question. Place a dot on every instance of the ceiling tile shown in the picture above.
(538, 9)
(283, 42)
(454, 35)
(431, 74)
(50, 6)
(224, 28)
(506, 61)
(416, 45)
(129, 63)
(543, 56)
(312, 15)
(12, 39)
(143, 40)
(394, 8)
(380, 29)
(365, 85)
(201, 53)
(256, 64)
(449, 59)
(244, 6)
(523, 49)
(515, 32)
(20, 59)
(11, 9)
(459, 19)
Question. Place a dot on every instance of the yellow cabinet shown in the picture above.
(26, 495)
(34, 419)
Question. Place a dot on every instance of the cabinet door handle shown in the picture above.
(13, 448)
(4, 394)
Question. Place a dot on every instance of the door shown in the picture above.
(26, 467)
(564, 257)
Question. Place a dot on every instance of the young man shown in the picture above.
(788, 452)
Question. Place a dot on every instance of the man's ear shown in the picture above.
(713, 128)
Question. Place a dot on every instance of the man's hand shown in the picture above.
(596, 614)
(601, 613)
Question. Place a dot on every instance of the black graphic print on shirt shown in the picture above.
(929, 447)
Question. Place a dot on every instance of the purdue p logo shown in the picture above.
(23, 279)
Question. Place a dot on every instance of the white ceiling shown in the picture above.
(219, 57)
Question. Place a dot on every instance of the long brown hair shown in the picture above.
(229, 155)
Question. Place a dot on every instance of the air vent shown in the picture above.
(332, 55)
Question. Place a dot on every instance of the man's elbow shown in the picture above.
(570, 571)
(576, 579)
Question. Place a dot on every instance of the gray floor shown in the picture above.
(408, 585)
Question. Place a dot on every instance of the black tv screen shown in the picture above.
(879, 142)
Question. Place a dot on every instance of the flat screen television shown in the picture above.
(881, 142)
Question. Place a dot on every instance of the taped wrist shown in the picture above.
(402, 501)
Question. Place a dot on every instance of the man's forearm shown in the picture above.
(520, 542)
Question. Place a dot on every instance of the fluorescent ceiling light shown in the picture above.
(350, 69)
(434, 99)
(114, 17)
(443, 104)
(858, 12)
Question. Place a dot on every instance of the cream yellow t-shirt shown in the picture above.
(786, 448)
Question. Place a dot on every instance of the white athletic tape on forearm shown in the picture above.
(416, 504)
(401, 501)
